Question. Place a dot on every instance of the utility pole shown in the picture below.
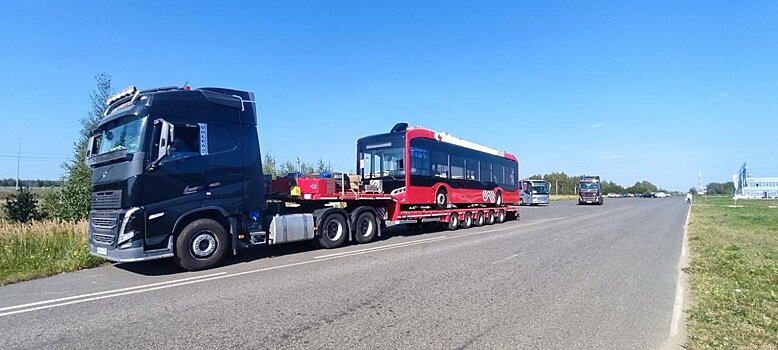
(18, 162)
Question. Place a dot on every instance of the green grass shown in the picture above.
(40, 249)
(562, 197)
(733, 274)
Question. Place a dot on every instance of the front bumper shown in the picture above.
(133, 254)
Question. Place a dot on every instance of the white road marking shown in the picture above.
(105, 292)
(504, 259)
(384, 246)
(196, 279)
(676, 323)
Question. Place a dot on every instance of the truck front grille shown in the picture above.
(103, 226)
(107, 199)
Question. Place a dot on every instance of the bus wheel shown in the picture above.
(333, 231)
(365, 227)
(201, 245)
(479, 219)
(490, 217)
(498, 199)
(468, 221)
(453, 221)
(441, 199)
(500, 216)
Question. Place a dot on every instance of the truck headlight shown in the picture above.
(127, 230)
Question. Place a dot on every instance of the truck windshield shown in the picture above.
(382, 162)
(540, 188)
(589, 186)
(121, 134)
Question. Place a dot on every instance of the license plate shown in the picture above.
(102, 251)
(588, 201)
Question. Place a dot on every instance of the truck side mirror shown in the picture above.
(166, 134)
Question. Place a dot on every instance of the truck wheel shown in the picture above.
(600, 201)
(521, 201)
(441, 199)
(334, 230)
(479, 219)
(468, 221)
(500, 216)
(490, 217)
(365, 227)
(201, 245)
(453, 222)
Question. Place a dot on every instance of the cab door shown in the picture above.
(175, 181)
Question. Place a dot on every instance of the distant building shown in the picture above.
(755, 187)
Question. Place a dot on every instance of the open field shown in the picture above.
(733, 274)
(563, 197)
(41, 249)
(6, 192)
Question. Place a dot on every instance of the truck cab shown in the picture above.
(164, 158)
(589, 190)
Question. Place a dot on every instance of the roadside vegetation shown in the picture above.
(42, 248)
(733, 274)
(562, 197)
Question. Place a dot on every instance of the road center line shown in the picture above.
(381, 247)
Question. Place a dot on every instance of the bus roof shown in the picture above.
(417, 131)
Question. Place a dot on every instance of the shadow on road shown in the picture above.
(167, 267)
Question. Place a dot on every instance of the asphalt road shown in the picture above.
(563, 277)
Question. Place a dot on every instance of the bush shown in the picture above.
(22, 207)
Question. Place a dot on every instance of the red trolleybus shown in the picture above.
(420, 167)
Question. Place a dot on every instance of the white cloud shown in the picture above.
(598, 125)
(614, 156)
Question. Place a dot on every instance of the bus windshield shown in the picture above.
(540, 188)
(378, 162)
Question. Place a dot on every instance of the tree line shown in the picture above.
(562, 183)
(9, 182)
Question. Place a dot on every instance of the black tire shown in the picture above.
(453, 222)
(521, 201)
(365, 227)
(468, 221)
(441, 198)
(500, 216)
(202, 244)
(333, 230)
(490, 217)
(600, 201)
(479, 219)
(498, 199)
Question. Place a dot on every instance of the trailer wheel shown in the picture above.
(453, 221)
(468, 221)
(441, 198)
(333, 231)
(500, 216)
(365, 227)
(479, 219)
(490, 217)
(202, 244)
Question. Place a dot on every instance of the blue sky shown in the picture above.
(654, 91)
